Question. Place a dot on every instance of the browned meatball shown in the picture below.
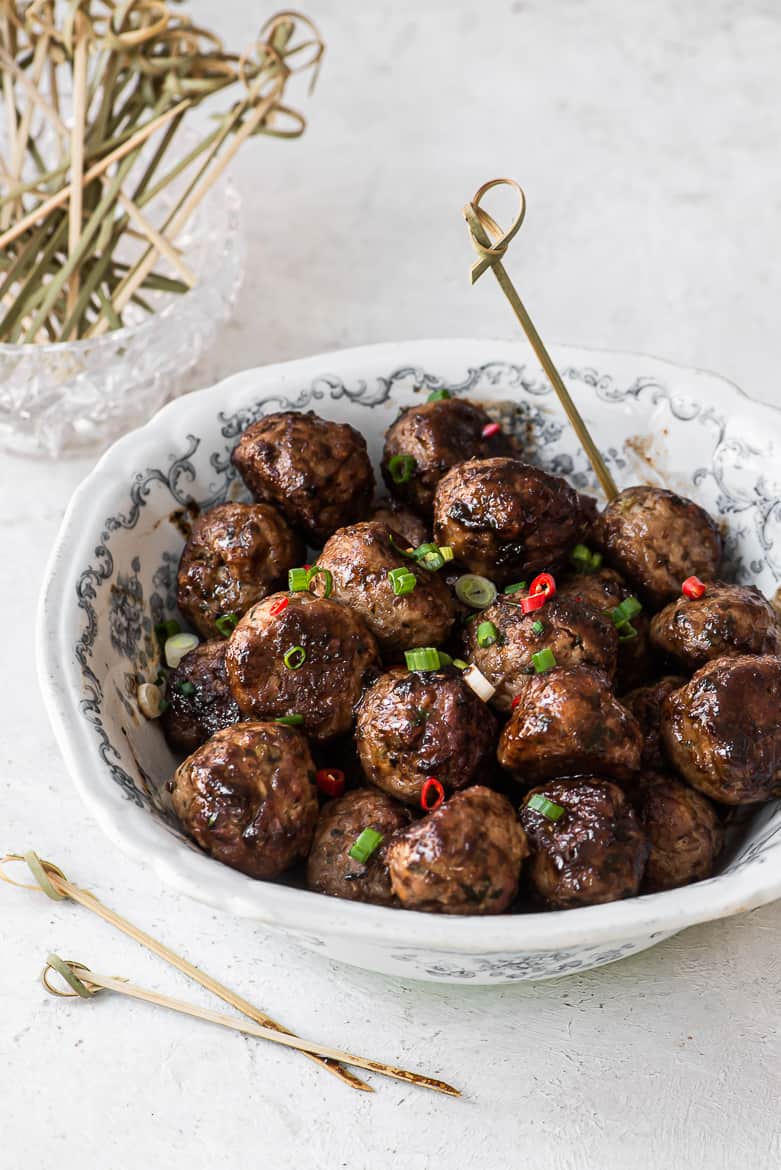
(400, 519)
(569, 723)
(315, 471)
(574, 632)
(437, 435)
(729, 620)
(604, 590)
(722, 731)
(465, 858)
(415, 724)
(645, 703)
(360, 559)
(199, 698)
(595, 852)
(505, 519)
(331, 870)
(684, 831)
(657, 539)
(324, 685)
(235, 555)
(247, 798)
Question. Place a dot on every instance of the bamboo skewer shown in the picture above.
(491, 251)
(91, 983)
(77, 154)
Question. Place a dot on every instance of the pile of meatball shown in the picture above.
(575, 730)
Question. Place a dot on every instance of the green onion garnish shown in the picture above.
(444, 659)
(630, 607)
(298, 580)
(460, 664)
(626, 632)
(290, 720)
(487, 634)
(184, 688)
(430, 556)
(226, 623)
(294, 658)
(438, 396)
(364, 845)
(167, 629)
(584, 560)
(402, 581)
(401, 468)
(516, 588)
(547, 808)
(538, 627)
(422, 658)
(476, 591)
(326, 574)
(543, 660)
(446, 552)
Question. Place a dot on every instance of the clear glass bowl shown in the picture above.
(75, 396)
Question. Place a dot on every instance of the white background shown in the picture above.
(646, 135)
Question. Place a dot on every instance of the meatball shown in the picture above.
(684, 831)
(360, 559)
(235, 555)
(722, 731)
(415, 724)
(569, 723)
(199, 698)
(310, 659)
(645, 703)
(401, 520)
(595, 852)
(505, 519)
(331, 870)
(657, 539)
(574, 632)
(465, 858)
(604, 590)
(437, 435)
(247, 797)
(315, 471)
(728, 620)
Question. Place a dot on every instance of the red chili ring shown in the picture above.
(515, 702)
(533, 601)
(431, 785)
(543, 583)
(330, 781)
(693, 588)
(278, 606)
(491, 429)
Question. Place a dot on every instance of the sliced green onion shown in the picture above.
(487, 634)
(630, 607)
(543, 660)
(402, 581)
(226, 623)
(298, 580)
(476, 680)
(290, 720)
(327, 576)
(150, 700)
(446, 552)
(438, 396)
(476, 591)
(626, 632)
(167, 629)
(422, 658)
(444, 659)
(584, 560)
(538, 627)
(460, 664)
(401, 468)
(177, 646)
(294, 658)
(516, 588)
(547, 808)
(184, 688)
(365, 844)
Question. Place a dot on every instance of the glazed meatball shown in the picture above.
(360, 559)
(683, 829)
(316, 472)
(437, 435)
(645, 703)
(574, 632)
(310, 658)
(603, 590)
(401, 520)
(595, 852)
(331, 870)
(235, 555)
(722, 731)
(415, 724)
(657, 539)
(728, 620)
(569, 723)
(505, 519)
(465, 858)
(199, 698)
(247, 797)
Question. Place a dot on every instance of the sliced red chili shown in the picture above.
(278, 606)
(543, 583)
(432, 795)
(491, 429)
(515, 702)
(330, 781)
(533, 602)
(693, 588)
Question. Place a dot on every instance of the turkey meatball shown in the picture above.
(645, 703)
(569, 723)
(294, 654)
(247, 797)
(683, 829)
(437, 436)
(234, 556)
(315, 471)
(402, 520)
(603, 590)
(415, 724)
(331, 870)
(505, 519)
(574, 632)
(465, 858)
(728, 620)
(594, 852)
(657, 539)
(722, 731)
(199, 698)
(360, 560)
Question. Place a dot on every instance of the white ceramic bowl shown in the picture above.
(113, 570)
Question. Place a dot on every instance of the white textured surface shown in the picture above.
(646, 136)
